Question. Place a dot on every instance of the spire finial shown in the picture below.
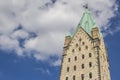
(86, 6)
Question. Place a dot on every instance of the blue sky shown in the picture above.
(32, 35)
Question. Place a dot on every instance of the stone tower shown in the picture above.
(84, 54)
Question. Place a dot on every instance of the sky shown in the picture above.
(32, 35)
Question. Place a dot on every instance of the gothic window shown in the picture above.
(86, 47)
(82, 76)
(83, 56)
(90, 64)
(83, 43)
(80, 39)
(90, 75)
(74, 77)
(79, 49)
(90, 55)
(73, 50)
(67, 69)
(75, 58)
(66, 78)
(75, 68)
(68, 59)
(82, 66)
(76, 45)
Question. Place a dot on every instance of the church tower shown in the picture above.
(85, 54)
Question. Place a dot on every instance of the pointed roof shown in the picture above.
(87, 22)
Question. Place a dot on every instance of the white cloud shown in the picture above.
(7, 43)
(111, 31)
(50, 42)
(50, 22)
(20, 34)
(57, 62)
(43, 71)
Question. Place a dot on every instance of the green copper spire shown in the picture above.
(87, 22)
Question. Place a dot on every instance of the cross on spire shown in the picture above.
(86, 6)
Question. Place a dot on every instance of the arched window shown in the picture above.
(74, 77)
(82, 76)
(90, 64)
(79, 49)
(80, 39)
(86, 47)
(75, 58)
(90, 75)
(68, 59)
(83, 56)
(66, 78)
(83, 43)
(67, 69)
(82, 66)
(90, 55)
(76, 45)
(75, 68)
(73, 50)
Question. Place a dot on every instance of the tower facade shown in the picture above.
(84, 54)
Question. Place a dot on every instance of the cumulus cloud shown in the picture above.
(7, 43)
(48, 22)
